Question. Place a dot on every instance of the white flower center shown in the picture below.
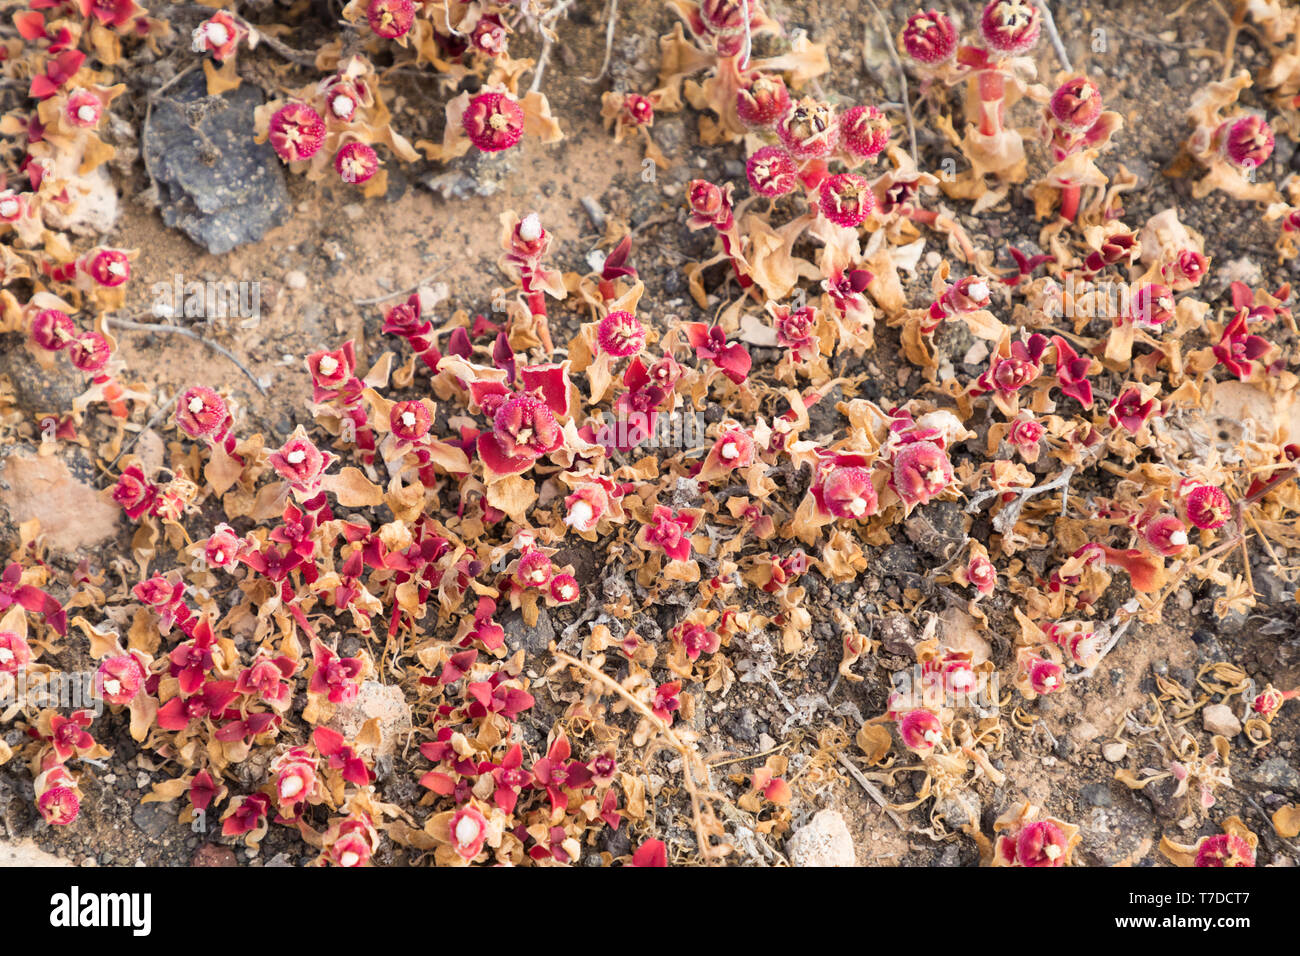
(291, 787)
(730, 452)
(858, 506)
(6, 655)
(936, 477)
(1178, 538)
(9, 208)
(218, 557)
(408, 419)
(113, 686)
(217, 34)
(467, 831)
(1049, 681)
(329, 365)
(530, 228)
(580, 515)
(932, 737)
(195, 405)
(568, 591)
(296, 457)
(979, 291)
(348, 858)
(117, 268)
(87, 113)
(538, 576)
(342, 106)
(1051, 851)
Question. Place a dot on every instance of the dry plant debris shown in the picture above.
(333, 632)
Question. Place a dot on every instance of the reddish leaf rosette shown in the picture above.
(1011, 27)
(846, 199)
(762, 100)
(809, 130)
(864, 131)
(921, 472)
(296, 132)
(929, 38)
(494, 121)
(771, 172)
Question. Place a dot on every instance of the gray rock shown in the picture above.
(214, 183)
(822, 841)
(153, 819)
(1096, 795)
(1277, 774)
(535, 640)
(374, 701)
(38, 391)
(1219, 719)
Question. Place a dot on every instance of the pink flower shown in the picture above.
(1224, 849)
(809, 130)
(523, 430)
(796, 330)
(697, 639)
(53, 330)
(219, 35)
(134, 492)
(921, 471)
(929, 37)
(296, 132)
(1010, 27)
(494, 121)
(710, 344)
(586, 506)
(1208, 507)
(510, 777)
(771, 172)
(201, 412)
(301, 463)
(266, 681)
(669, 532)
(846, 200)
(1045, 677)
(534, 570)
(1041, 844)
(468, 829)
(650, 853)
(1153, 305)
(15, 653)
(864, 131)
(1072, 372)
(1238, 347)
(564, 589)
(119, 679)
(620, 334)
(295, 780)
(336, 677)
(1130, 411)
(68, 735)
(245, 814)
(762, 101)
(981, 574)
(556, 772)
(849, 493)
(1026, 435)
(920, 730)
(331, 371)
(710, 205)
(56, 796)
(223, 547)
(1166, 534)
(667, 701)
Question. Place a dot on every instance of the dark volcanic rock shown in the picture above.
(215, 184)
